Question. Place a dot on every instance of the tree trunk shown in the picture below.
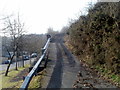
(6, 73)
(22, 59)
(16, 53)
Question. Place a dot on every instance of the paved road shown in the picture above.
(4, 66)
(65, 71)
(62, 68)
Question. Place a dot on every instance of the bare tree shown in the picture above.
(64, 29)
(51, 31)
(34, 43)
(14, 28)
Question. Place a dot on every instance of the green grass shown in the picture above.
(6, 80)
(12, 73)
(108, 74)
(1, 72)
(36, 81)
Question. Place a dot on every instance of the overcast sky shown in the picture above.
(38, 15)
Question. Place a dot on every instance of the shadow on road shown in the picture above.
(68, 55)
(56, 78)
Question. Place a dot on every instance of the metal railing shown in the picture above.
(28, 78)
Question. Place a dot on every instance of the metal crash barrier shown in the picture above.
(28, 78)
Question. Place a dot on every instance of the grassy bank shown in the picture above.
(108, 74)
(101, 69)
(36, 81)
(95, 37)
(15, 78)
(6, 80)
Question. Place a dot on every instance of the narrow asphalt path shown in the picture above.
(56, 78)
(65, 71)
(62, 68)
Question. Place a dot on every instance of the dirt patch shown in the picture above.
(89, 78)
(20, 75)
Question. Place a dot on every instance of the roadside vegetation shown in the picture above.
(36, 80)
(16, 43)
(95, 38)
(14, 78)
(107, 74)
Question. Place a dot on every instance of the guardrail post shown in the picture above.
(42, 50)
(46, 60)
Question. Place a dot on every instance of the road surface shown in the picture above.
(12, 66)
(65, 71)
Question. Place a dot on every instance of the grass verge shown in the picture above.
(6, 80)
(107, 74)
(36, 80)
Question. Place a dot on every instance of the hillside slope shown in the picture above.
(95, 38)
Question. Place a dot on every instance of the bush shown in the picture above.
(96, 36)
